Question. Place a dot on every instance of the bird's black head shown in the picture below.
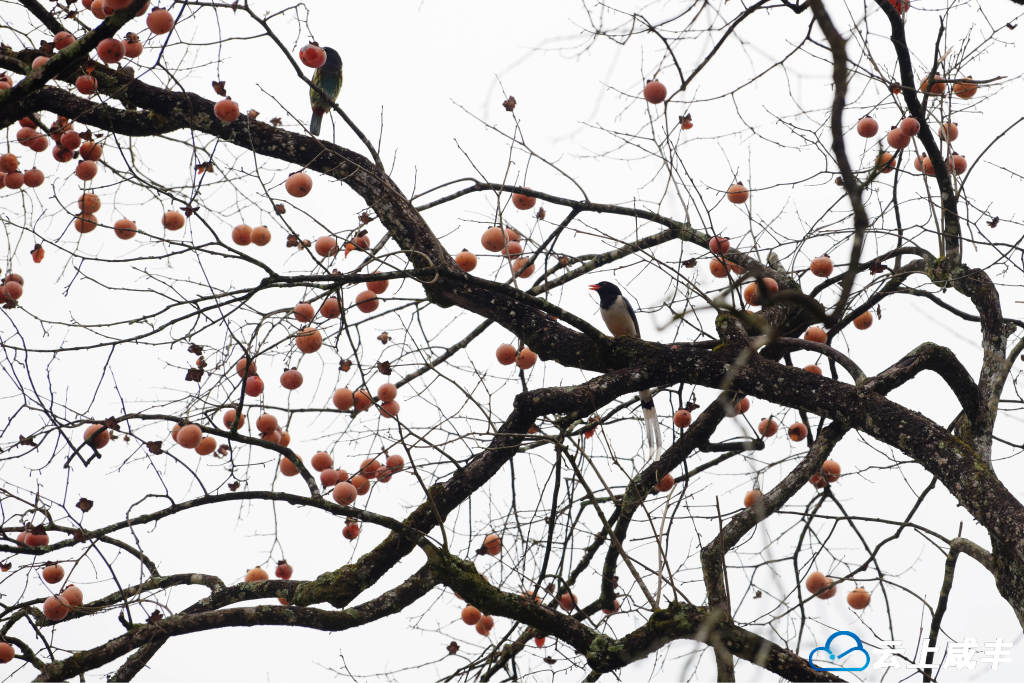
(607, 291)
(333, 59)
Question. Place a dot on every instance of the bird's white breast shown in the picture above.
(618, 320)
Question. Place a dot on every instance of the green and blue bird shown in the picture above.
(328, 79)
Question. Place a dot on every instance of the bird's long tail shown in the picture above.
(650, 421)
(314, 123)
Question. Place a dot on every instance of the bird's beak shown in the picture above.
(594, 287)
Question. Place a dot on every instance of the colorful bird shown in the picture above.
(328, 79)
(621, 320)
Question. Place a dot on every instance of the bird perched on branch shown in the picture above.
(620, 319)
(328, 79)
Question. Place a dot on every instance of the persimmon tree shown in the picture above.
(222, 332)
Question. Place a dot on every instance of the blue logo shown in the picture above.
(843, 651)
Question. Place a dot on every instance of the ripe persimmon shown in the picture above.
(6, 652)
(831, 470)
(291, 379)
(344, 493)
(665, 483)
(304, 312)
(283, 570)
(742, 406)
(395, 463)
(261, 235)
(821, 266)
(207, 445)
(351, 531)
(362, 400)
(798, 431)
(361, 484)
(98, 435)
(378, 286)
(737, 193)
(506, 354)
(288, 468)
(910, 126)
(124, 228)
(718, 245)
(752, 293)
(245, 366)
(86, 170)
(965, 89)
(816, 334)
(72, 596)
(816, 581)
(37, 539)
(91, 151)
(110, 50)
(897, 139)
(466, 260)
(470, 615)
(523, 202)
(718, 267)
(70, 140)
(867, 127)
(173, 220)
(266, 423)
(132, 46)
(863, 321)
(53, 573)
(241, 235)
(933, 86)
(226, 110)
(256, 574)
(62, 39)
(484, 626)
(885, 162)
(55, 609)
(655, 92)
(367, 301)
(321, 461)
(330, 308)
(494, 239)
(368, 468)
(682, 418)
(329, 478)
(86, 84)
(955, 163)
(752, 497)
(343, 399)
(567, 601)
(512, 249)
(526, 358)
(309, 340)
(858, 598)
(312, 55)
(814, 369)
(298, 184)
(229, 416)
(522, 267)
(492, 544)
(253, 386)
(948, 131)
(190, 435)
(768, 427)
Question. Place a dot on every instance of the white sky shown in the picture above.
(431, 78)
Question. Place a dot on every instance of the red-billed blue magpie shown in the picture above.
(620, 319)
